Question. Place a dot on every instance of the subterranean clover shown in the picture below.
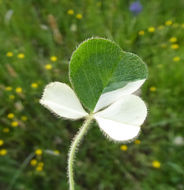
(103, 77)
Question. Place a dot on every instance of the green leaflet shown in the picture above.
(99, 65)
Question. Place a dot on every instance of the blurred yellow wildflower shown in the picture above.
(70, 12)
(11, 97)
(8, 88)
(53, 58)
(40, 164)
(3, 152)
(56, 152)
(10, 116)
(168, 22)
(151, 29)
(18, 90)
(39, 168)
(1, 142)
(173, 39)
(48, 67)
(174, 46)
(21, 56)
(6, 130)
(34, 85)
(124, 147)
(33, 162)
(9, 54)
(141, 32)
(14, 124)
(79, 16)
(137, 141)
(38, 152)
(24, 118)
(176, 59)
(153, 89)
(182, 25)
(156, 164)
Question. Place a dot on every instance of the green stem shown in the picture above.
(73, 148)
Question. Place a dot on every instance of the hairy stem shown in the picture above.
(73, 149)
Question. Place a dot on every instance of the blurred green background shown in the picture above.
(37, 38)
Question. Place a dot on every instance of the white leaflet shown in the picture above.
(121, 121)
(61, 99)
(110, 97)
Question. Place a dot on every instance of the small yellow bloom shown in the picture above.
(182, 25)
(173, 39)
(56, 152)
(11, 97)
(176, 59)
(48, 67)
(1, 142)
(151, 29)
(40, 164)
(53, 58)
(9, 54)
(39, 168)
(14, 124)
(141, 32)
(168, 23)
(79, 16)
(38, 152)
(124, 147)
(34, 85)
(6, 130)
(174, 46)
(137, 141)
(33, 162)
(156, 164)
(70, 12)
(3, 152)
(10, 116)
(18, 90)
(8, 88)
(153, 89)
(21, 56)
(24, 118)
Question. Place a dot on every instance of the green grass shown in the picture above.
(100, 164)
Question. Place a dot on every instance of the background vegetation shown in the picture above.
(37, 38)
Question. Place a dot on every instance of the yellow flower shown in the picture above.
(34, 85)
(141, 32)
(56, 152)
(11, 97)
(24, 118)
(53, 58)
(153, 89)
(48, 67)
(39, 168)
(14, 124)
(70, 12)
(137, 141)
(174, 46)
(40, 164)
(33, 162)
(38, 152)
(18, 90)
(176, 59)
(8, 88)
(21, 56)
(3, 152)
(6, 130)
(1, 142)
(151, 29)
(173, 39)
(10, 116)
(182, 25)
(124, 147)
(156, 164)
(9, 54)
(168, 23)
(79, 16)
